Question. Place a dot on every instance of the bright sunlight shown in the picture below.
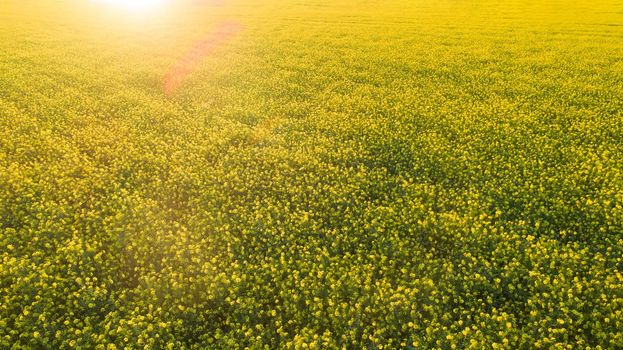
(134, 5)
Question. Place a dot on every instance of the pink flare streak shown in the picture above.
(189, 62)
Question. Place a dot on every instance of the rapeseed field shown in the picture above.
(311, 174)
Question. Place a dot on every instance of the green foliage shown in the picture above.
(420, 174)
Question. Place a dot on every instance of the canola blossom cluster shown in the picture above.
(337, 175)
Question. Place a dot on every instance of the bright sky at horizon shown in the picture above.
(134, 5)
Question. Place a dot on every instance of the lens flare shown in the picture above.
(189, 62)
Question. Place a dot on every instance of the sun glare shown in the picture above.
(134, 5)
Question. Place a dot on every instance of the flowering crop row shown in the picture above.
(338, 175)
